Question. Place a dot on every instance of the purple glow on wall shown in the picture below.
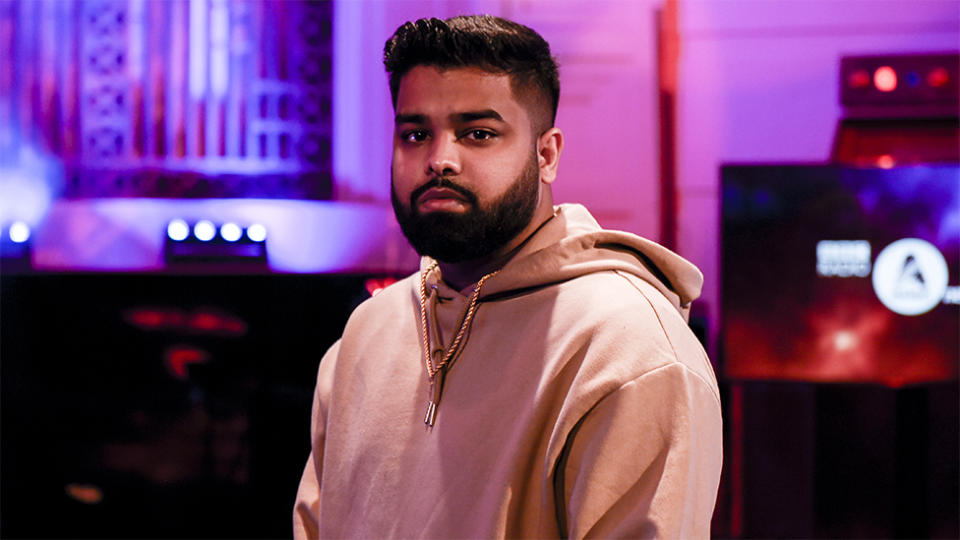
(127, 235)
(28, 186)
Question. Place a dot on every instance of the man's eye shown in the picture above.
(480, 134)
(417, 135)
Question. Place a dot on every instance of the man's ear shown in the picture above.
(549, 146)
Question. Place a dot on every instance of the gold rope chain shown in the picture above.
(467, 317)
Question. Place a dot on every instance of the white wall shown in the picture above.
(608, 106)
(362, 112)
(759, 83)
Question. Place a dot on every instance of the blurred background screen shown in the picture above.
(820, 278)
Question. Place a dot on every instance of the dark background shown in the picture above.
(89, 402)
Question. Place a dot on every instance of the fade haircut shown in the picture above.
(492, 44)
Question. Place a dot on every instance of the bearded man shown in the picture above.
(537, 377)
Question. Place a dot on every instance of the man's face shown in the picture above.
(465, 176)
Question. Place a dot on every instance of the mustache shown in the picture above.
(442, 182)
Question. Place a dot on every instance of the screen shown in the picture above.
(838, 274)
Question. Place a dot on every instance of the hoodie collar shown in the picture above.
(571, 244)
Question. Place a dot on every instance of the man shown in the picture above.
(537, 377)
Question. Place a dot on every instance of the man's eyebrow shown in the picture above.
(410, 119)
(468, 116)
(478, 115)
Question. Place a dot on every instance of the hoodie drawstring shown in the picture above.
(436, 372)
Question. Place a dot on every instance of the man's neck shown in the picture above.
(462, 275)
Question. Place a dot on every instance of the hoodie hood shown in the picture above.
(572, 244)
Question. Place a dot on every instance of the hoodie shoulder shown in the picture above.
(386, 305)
(572, 244)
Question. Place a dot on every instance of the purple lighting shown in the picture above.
(219, 47)
(27, 186)
(178, 99)
(198, 48)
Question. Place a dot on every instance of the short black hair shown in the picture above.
(489, 43)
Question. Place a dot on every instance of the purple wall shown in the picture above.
(759, 83)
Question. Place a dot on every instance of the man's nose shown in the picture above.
(444, 158)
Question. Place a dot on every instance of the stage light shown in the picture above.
(886, 161)
(214, 243)
(913, 79)
(19, 232)
(231, 232)
(15, 246)
(257, 232)
(885, 79)
(204, 230)
(178, 230)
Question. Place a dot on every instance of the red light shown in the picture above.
(374, 286)
(179, 356)
(202, 321)
(205, 322)
(858, 79)
(885, 161)
(938, 77)
(85, 493)
(147, 318)
(885, 79)
(154, 318)
(209, 321)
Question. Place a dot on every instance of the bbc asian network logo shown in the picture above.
(910, 276)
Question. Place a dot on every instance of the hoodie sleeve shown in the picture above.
(306, 507)
(645, 461)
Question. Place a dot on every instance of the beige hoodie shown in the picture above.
(579, 405)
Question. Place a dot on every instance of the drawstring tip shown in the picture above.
(431, 414)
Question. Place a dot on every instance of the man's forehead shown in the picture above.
(462, 93)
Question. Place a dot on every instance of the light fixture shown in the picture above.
(913, 79)
(885, 79)
(231, 232)
(15, 246)
(204, 230)
(257, 232)
(178, 230)
(200, 242)
(19, 232)
(859, 79)
(938, 77)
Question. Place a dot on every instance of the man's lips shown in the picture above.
(438, 198)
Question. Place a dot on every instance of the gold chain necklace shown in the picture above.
(436, 373)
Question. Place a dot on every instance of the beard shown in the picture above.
(481, 230)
